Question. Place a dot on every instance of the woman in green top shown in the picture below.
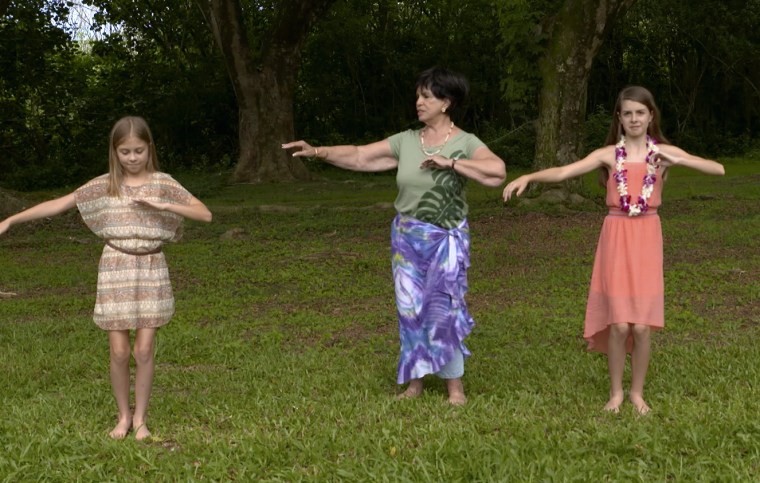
(430, 235)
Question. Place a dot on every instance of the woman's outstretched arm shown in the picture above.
(377, 156)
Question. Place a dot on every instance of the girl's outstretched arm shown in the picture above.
(669, 155)
(42, 210)
(601, 157)
(195, 210)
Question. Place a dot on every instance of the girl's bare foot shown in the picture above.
(613, 405)
(142, 432)
(457, 399)
(641, 406)
(121, 429)
(413, 390)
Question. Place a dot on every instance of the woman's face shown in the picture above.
(634, 118)
(429, 106)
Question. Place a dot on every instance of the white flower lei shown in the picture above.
(621, 176)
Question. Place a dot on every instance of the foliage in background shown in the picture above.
(700, 61)
(40, 87)
(59, 98)
(161, 63)
(357, 80)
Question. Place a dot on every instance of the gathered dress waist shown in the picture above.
(134, 252)
(619, 212)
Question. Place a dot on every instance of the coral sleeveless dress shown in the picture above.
(627, 282)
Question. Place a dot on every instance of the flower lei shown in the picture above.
(621, 176)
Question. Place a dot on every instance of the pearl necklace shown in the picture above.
(433, 153)
(621, 176)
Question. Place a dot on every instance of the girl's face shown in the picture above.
(133, 154)
(429, 106)
(634, 118)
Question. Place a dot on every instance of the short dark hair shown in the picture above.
(446, 84)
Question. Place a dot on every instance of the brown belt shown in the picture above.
(131, 252)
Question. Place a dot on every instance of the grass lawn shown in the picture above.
(280, 362)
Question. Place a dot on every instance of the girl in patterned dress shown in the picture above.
(430, 239)
(135, 209)
(626, 295)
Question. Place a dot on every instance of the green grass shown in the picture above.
(280, 362)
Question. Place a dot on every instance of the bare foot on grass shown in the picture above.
(413, 390)
(613, 405)
(121, 430)
(142, 432)
(456, 392)
(641, 406)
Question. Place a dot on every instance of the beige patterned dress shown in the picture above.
(134, 290)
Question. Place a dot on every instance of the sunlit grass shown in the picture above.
(280, 362)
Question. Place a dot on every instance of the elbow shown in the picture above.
(501, 176)
(494, 182)
(206, 216)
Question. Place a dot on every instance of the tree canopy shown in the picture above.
(352, 75)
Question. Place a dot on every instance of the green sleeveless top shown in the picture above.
(434, 196)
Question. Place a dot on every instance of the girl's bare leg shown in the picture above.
(616, 365)
(456, 392)
(119, 349)
(144, 347)
(639, 366)
(413, 390)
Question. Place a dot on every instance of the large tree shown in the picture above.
(575, 35)
(562, 38)
(262, 62)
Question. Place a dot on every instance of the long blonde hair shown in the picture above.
(643, 96)
(126, 127)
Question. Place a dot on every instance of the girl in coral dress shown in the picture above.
(626, 296)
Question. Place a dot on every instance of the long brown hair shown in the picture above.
(643, 96)
(128, 126)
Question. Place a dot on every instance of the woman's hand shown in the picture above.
(437, 162)
(518, 185)
(304, 148)
(4, 225)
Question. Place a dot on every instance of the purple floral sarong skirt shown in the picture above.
(430, 276)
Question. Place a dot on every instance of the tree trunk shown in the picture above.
(575, 35)
(265, 92)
